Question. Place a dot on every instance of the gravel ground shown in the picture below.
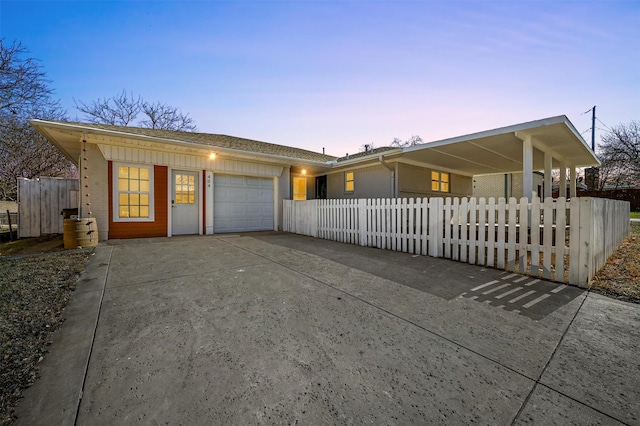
(620, 277)
(34, 289)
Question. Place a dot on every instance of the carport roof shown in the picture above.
(500, 150)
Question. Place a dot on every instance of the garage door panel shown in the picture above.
(243, 203)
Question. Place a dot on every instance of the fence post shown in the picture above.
(314, 218)
(436, 226)
(574, 240)
(362, 221)
(585, 256)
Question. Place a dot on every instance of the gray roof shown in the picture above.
(215, 140)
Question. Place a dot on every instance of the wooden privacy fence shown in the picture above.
(40, 202)
(556, 239)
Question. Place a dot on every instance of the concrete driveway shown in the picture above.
(282, 329)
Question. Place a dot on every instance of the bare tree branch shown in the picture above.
(620, 156)
(412, 141)
(124, 109)
(23, 85)
(162, 116)
(24, 94)
(121, 110)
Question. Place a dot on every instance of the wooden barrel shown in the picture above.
(86, 232)
(69, 235)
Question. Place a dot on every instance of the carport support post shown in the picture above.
(548, 167)
(562, 187)
(527, 168)
(572, 184)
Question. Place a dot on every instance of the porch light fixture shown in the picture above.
(212, 156)
(304, 171)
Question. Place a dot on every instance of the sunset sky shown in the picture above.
(340, 74)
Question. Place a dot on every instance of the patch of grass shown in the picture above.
(635, 215)
(33, 292)
(620, 276)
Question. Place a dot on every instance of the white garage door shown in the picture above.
(242, 203)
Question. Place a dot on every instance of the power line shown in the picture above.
(608, 128)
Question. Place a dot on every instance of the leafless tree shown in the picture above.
(367, 147)
(619, 154)
(120, 110)
(412, 141)
(396, 143)
(125, 109)
(23, 85)
(25, 94)
(162, 116)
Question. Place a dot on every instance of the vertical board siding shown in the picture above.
(40, 205)
(555, 239)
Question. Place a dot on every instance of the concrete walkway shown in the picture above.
(283, 329)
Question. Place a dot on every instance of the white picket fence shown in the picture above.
(555, 239)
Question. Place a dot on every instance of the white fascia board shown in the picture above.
(488, 133)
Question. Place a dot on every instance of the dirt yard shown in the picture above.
(34, 290)
(45, 244)
(620, 277)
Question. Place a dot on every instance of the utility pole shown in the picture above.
(592, 174)
(593, 129)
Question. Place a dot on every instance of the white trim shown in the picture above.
(200, 196)
(169, 209)
(209, 200)
(115, 201)
(277, 202)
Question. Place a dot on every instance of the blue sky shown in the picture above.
(339, 74)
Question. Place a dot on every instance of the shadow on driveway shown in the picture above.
(440, 277)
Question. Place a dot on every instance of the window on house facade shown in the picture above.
(185, 186)
(439, 181)
(349, 182)
(299, 188)
(133, 195)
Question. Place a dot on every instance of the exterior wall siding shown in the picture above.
(157, 228)
(189, 161)
(369, 182)
(415, 182)
(486, 186)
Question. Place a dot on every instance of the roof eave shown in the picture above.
(40, 124)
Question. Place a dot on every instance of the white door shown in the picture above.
(242, 203)
(184, 202)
